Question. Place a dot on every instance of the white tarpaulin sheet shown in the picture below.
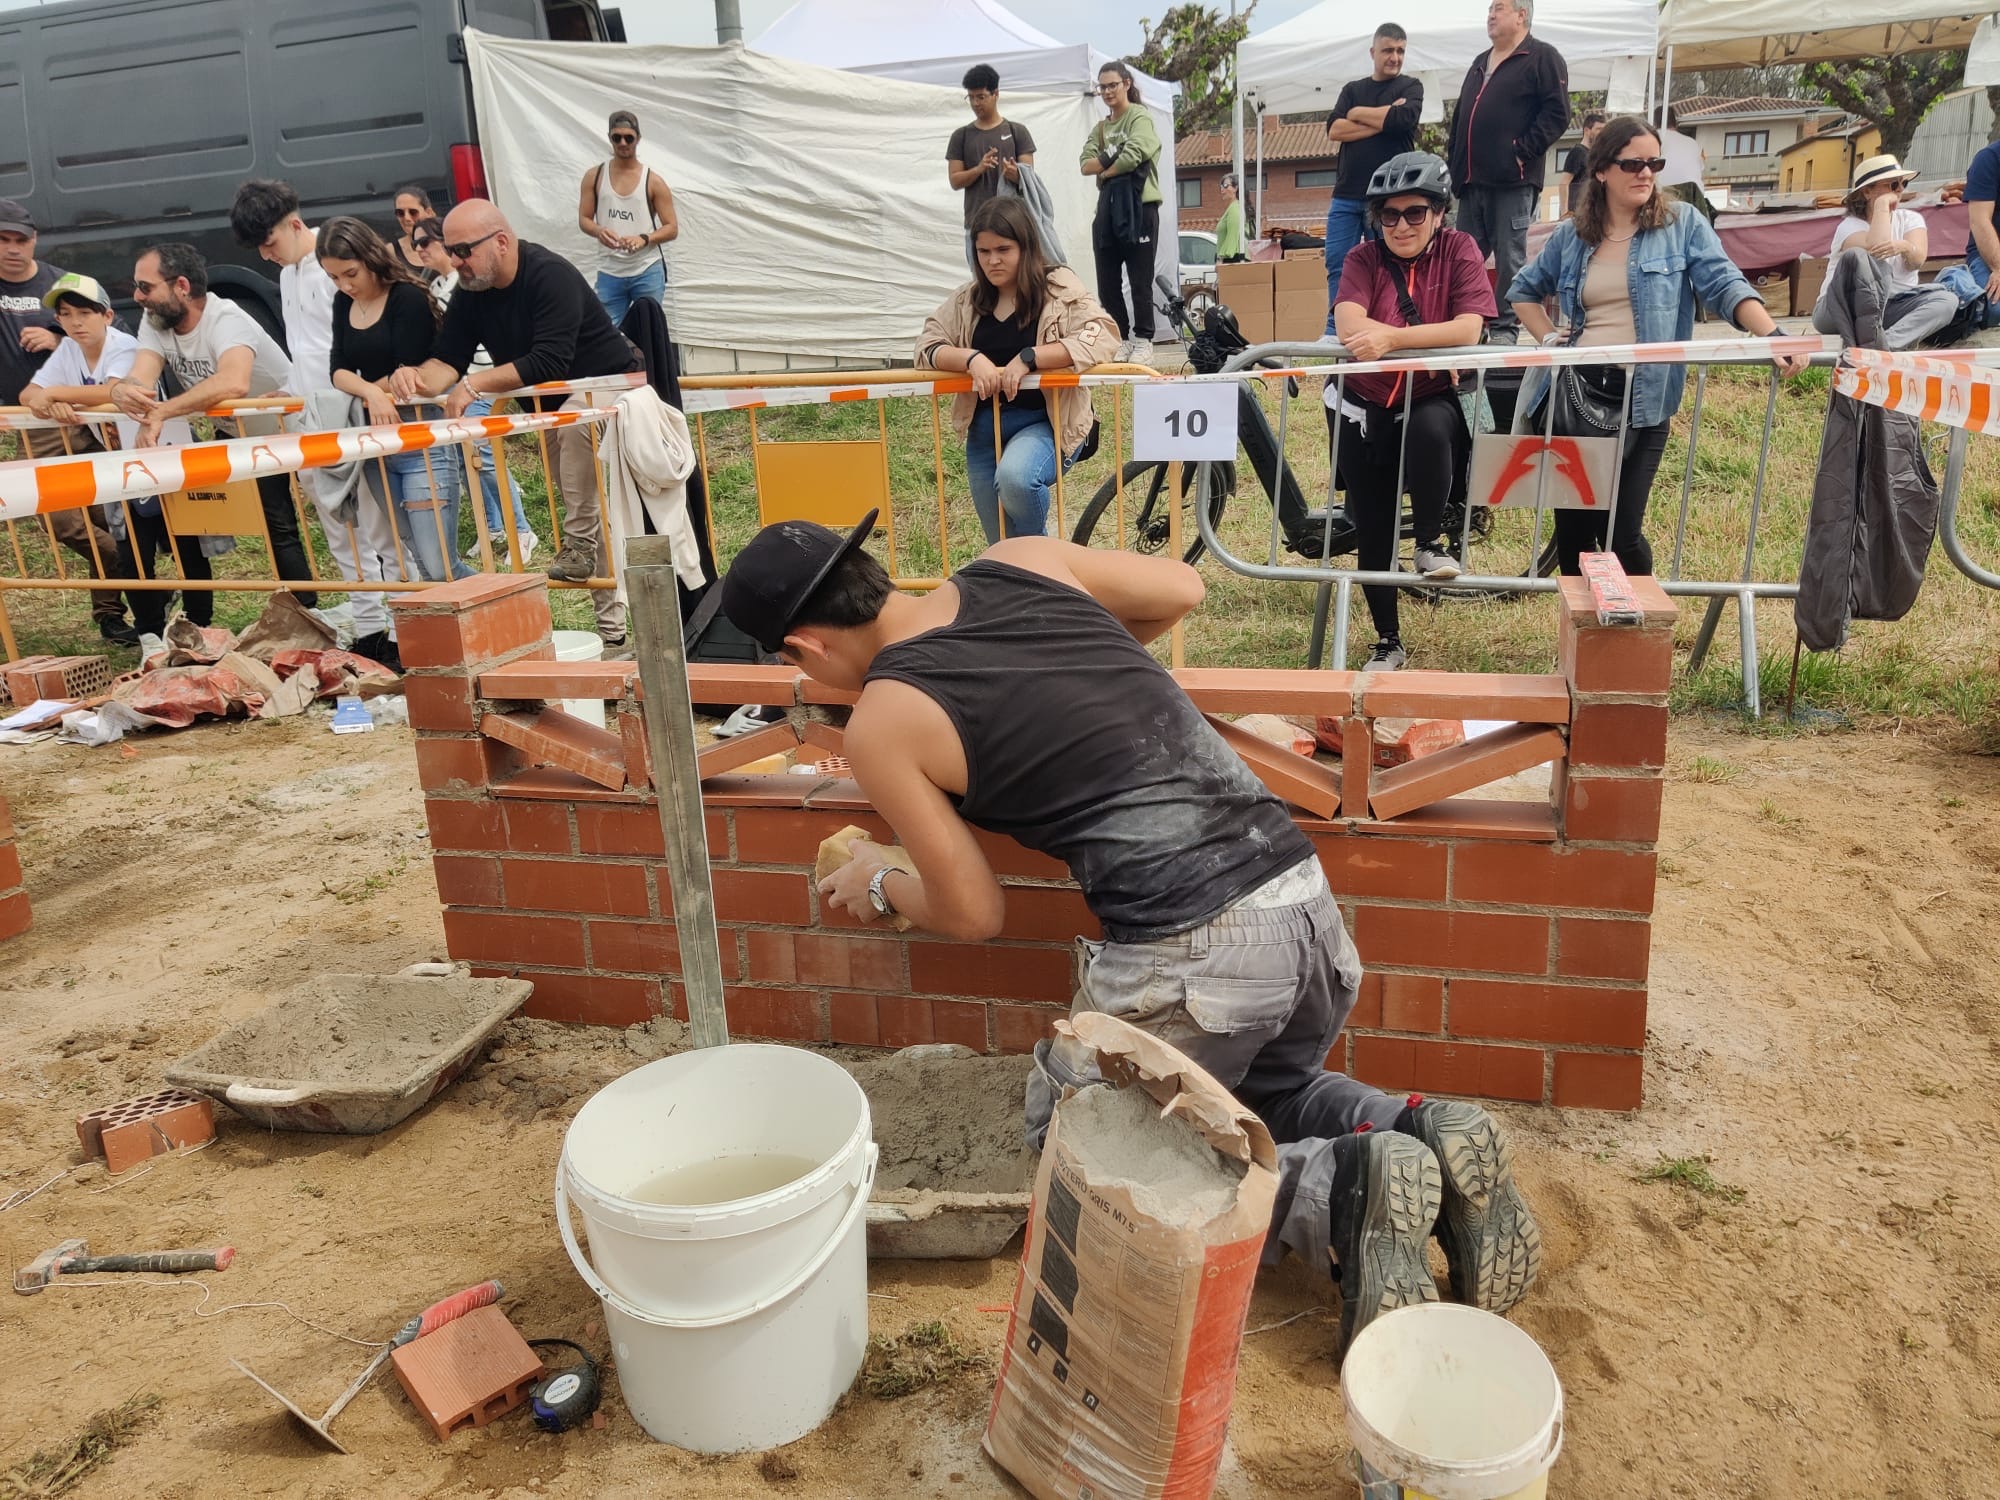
(815, 214)
(1302, 64)
(1758, 33)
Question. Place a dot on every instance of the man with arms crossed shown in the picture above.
(1374, 119)
(1019, 697)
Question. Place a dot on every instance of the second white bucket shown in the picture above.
(1446, 1402)
(738, 1324)
(580, 645)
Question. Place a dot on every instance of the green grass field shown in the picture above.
(1936, 664)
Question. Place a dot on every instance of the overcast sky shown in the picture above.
(1112, 24)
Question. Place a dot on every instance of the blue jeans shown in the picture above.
(1020, 482)
(1346, 226)
(425, 487)
(618, 293)
(489, 486)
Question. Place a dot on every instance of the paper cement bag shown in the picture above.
(1150, 1212)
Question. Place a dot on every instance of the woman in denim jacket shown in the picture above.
(1625, 270)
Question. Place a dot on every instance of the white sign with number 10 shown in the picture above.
(1178, 420)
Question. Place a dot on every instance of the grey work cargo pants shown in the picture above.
(1257, 997)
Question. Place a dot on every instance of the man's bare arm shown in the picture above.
(1149, 595)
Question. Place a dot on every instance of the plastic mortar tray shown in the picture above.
(353, 1054)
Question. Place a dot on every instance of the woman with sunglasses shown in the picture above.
(1019, 314)
(383, 321)
(1123, 153)
(1625, 269)
(429, 240)
(1420, 286)
(413, 205)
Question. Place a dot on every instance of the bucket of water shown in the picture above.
(724, 1193)
(1446, 1402)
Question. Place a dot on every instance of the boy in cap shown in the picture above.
(1221, 935)
(629, 210)
(95, 353)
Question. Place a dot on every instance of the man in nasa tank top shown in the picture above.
(1019, 698)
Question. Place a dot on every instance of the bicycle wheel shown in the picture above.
(1147, 524)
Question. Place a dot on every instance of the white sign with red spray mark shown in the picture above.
(1523, 470)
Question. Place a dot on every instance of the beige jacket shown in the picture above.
(1070, 317)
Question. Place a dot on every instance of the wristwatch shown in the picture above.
(1027, 357)
(878, 894)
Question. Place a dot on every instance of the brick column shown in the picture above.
(1607, 801)
(14, 913)
(447, 636)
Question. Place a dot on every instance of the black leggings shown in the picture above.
(148, 539)
(1368, 472)
(288, 548)
(1581, 531)
(1114, 264)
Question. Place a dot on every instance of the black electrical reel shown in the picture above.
(567, 1398)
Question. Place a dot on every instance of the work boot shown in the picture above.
(571, 564)
(377, 647)
(1491, 1242)
(1380, 1212)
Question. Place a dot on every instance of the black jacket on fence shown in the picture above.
(1875, 502)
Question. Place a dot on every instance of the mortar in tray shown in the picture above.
(353, 1054)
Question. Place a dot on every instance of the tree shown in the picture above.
(1893, 92)
(1195, 47)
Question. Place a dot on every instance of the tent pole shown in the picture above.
(1667, 87)
(728, 22)
(1261, 225)
(1236, 121)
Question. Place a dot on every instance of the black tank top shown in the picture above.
(1080, 745)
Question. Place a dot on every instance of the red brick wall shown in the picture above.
(1506, 943)
(14, 913)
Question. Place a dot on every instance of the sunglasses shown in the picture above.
(1412, 216)
(622, 138)
(1637, 164)
(409, 213)
(463, 250)
(422, 241)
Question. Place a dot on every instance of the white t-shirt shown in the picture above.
(1902, 224)
(305, 292)
(223, 326)
(69, 366)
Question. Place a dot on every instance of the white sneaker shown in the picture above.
(1123, 353)
(1388, 656)
(529, 541)
(1434, 564)
(1142, 351)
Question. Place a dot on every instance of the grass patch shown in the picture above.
(1769, 812)
(1708, 771)
(58, 1470)
(1693, 1174)
(924, 1355)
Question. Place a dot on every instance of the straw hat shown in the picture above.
(1880, 169)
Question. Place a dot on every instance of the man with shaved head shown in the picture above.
(539, 320)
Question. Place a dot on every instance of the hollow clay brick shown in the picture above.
(1516, 697)
(592, 999)
(1587, 1015)
(554, 738)
(543, 681)
(1233, 690)
(781, 1014)
(468, 1373)
(1497, 753)
(1599, 1080)
(1612, 809)
(586, 886)
(510, 938)
(16, 915)
(1293, 777)
(1590, 948)
(128, 1133)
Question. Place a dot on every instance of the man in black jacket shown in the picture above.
(1512, 107)
(540, 321)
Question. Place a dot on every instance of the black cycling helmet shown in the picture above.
(1411, 172)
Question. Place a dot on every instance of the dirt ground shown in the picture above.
(1822, 1323)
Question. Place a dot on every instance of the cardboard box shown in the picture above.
(1300, 273)
(1258, 326)
(1245, 289)
(1300, 317)
(1119, 1368)
(1808, 276)
(1775, 287)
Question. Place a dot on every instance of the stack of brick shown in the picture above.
(1506, 942)
(14, 912)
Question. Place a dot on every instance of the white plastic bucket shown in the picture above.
(1446, 1402)
(736, 1325)
(581, 645)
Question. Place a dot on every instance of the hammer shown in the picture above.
(73, 1258)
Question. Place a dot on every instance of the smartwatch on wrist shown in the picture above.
(878, 893)
(1027, 357)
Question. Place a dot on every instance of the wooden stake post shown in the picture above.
(655, 627)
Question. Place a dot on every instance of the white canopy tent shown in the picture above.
(816, 220)
(935, 41)
(1301, 65)
(1759, 33)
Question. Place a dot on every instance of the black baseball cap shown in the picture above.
(776, 575)
(16, 217)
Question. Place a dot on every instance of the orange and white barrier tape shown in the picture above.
(1465, 361)
(20, 419)
(1943, 386)
(31, 486)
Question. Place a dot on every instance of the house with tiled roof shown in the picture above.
(1743, 141)
(1299, 164)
